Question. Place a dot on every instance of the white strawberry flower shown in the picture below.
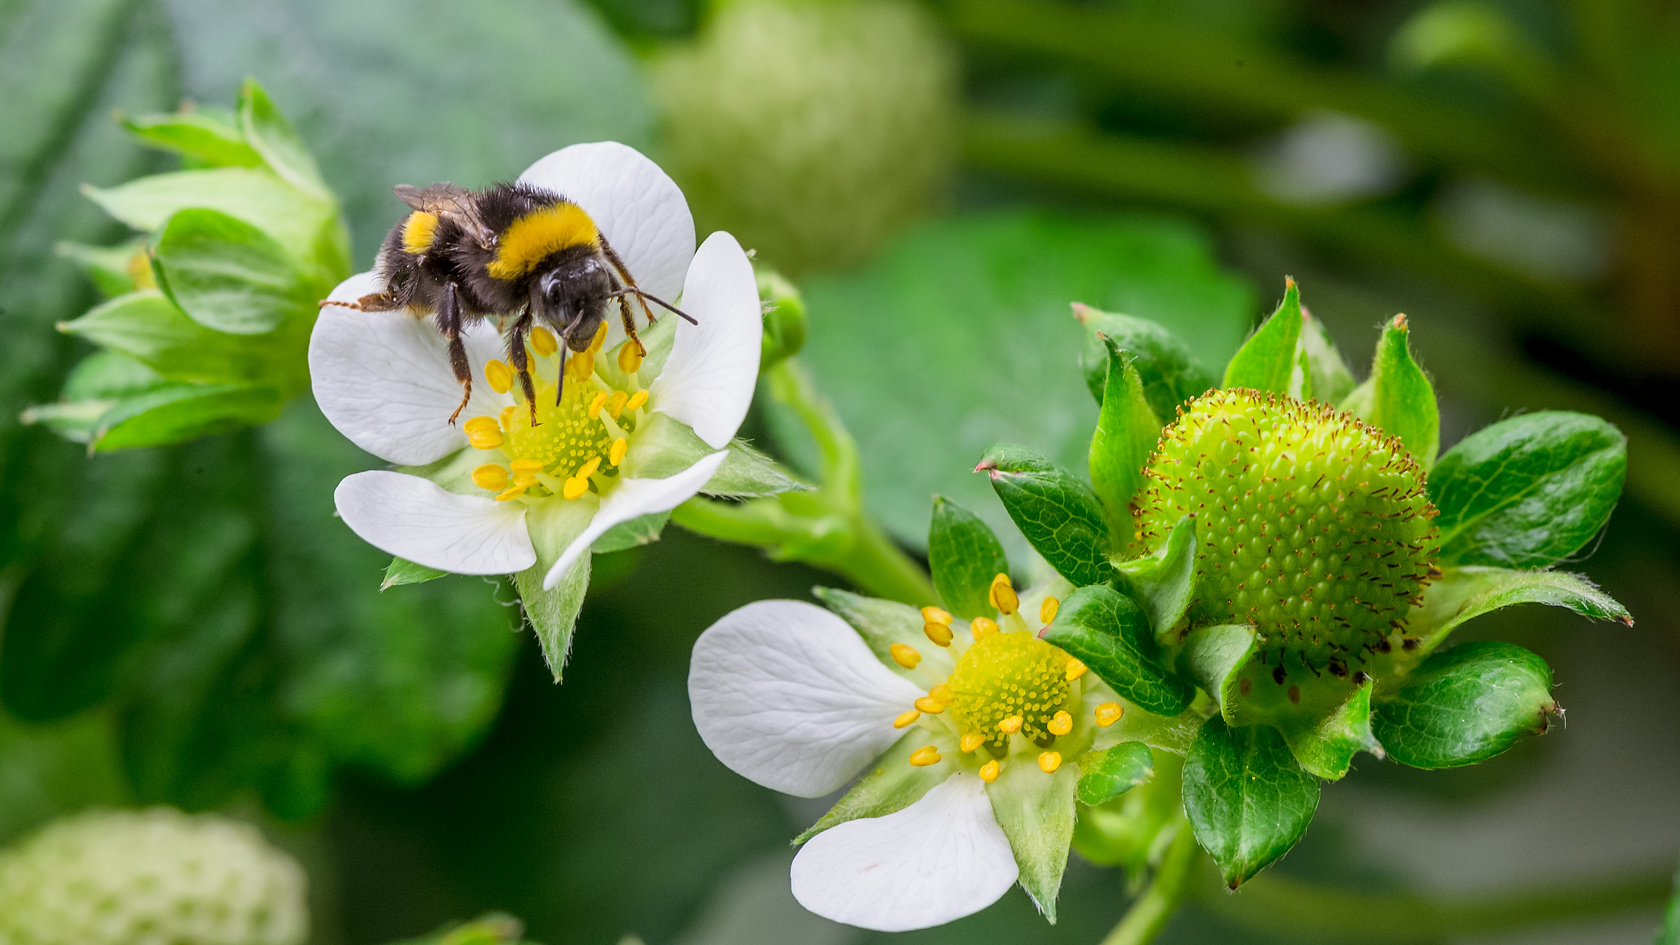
(492, 494)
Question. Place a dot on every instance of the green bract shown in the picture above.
(1290, 548)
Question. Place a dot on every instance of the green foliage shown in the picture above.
(228, 275)
(1328, 375)
(400, 572)
(1166, 365)
(891, 784)
(1466, 704)
(964, 557)
(1529, 491)
(1398, 399)
(1107, 774)
(493, 929)
(1247, 799)
(1164, 582)
(1059, 514)
(1103, 628)
(880, 623)
(552, 613)
(1466, 592)
(1038, 819)
(1127, 429)
(1269, 361)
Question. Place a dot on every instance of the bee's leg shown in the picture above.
(376, 302)
(449, 322)
(521, 362)
(630, 283)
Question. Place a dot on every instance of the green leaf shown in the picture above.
(1267, 361)
(97, 383)
(1110, 634)
(1669, 934)
(273, 138)
(1247, 800)
(746, 473)
(880, 623)
(1325, 736)
(892, 784)
(1327, 374)
(1466, 704)
(1037, 813)
(1164, 582)
(1107, 774)
(149, 328)
(1217, 658)
(181, 412)
(1127, 430)
(112, 269)
(197, 135)
(1466, 592)
(1059, 514)
(402, 572)
(230, 276)
(553, 613)
(1402, 401)
(1165, 364)
(964, 557)
(1529, 491)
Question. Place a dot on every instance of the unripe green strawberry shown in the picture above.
(153, 877)
(1313, 526)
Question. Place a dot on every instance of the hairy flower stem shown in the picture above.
(1150, 912)
(827, 528)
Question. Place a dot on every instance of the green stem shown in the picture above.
(1149, 912)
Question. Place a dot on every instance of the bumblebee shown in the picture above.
(510, 251)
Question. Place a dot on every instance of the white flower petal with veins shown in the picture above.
(788, 695)
(708, 380)
(941, 858)
(416, 519)
(384, 380)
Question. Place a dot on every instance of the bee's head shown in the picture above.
(571, 296)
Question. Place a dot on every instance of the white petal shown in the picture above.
(788, 695)
(383, 378)
(637, 206)
(708, 379)
(634, 498)
(937, 860)
(414, 518)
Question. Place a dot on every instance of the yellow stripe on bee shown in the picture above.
(539, 234)
(418, 230)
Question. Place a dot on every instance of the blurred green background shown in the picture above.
(192, 626)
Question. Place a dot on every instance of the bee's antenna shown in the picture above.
(632, 290)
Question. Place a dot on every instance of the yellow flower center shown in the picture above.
(1007, 676)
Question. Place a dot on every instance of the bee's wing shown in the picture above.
(448, 200)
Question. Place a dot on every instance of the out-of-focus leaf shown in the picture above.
(1247, 799)
(1401, 399)
(1107, 774)
(1268, 360)
(1168, 369)
(112, 269)
(273, 138)
(1466, 704)
(1110, 634)
(1127, 430)
(196, 135)
(1058, 513)
(149, 328)
(177, 413)
(230, 276)
(47, 771)
(964, 557)
(1329, 374)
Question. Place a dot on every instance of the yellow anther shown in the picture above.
(1047, 610)
(511, 492)
(935, 615)
(941, 692)
(636, 401)
(509, 414)
(1075, 669)
(543, 341)
(1050, 761)
(1011, 725)
(616, 454)
(1002, 595)
(990, 770)
(924, 756)
(939, 633)
(599, 339)
(930, 705)
(1108, 713)
(982, 627)
(525, 471)
(629, 358)
(1060, 724)
(491, 476)
(483, 432)
(580, 366)
(498, 375)
(575, 487)
(590, 467)
(972, 740)
(615, 403)
(596, 405)
(905, 656)
(905, 718)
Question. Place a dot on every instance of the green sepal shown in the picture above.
(1267, 360)
(230, 276)
(1058, 513)
(639, 531)
(1127, 431)
(1401, 399)
(272, 137)
(1327, 374)
(492, 928)
(147, 327)
(1110, 634)
(1247, 799)
(179, 412)
(95, 385)
(110, 268)
(1466, 704)
(965, 557)
(1105, 775)
(553, 613)
(197, 135)
(666, 446)
(1462, 593)
(880, 623)
(1168, 370)
(402, 571)
(1164, 582)
(1037, 813)
(1216, 658)
(1329, 727)
(891, 785)
(1529, 491)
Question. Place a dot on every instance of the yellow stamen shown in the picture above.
(543, 341)
(636, 401)
(1002, 595)
(1047, 610)
(1050, 761)
(511, 492)
(990, 770)
(509, 413)
(972, 740)
(629, 358)
(924, 756)
(483, 432)
(939, 633)
(589, 467)
(1011, 725)
(575, 487)
(905, 656)
(498, 375)
(490, 476)
(935, 615)
(942, 692)
(982, 627)
(1060, 724)
(616, 454)
(1075, 669)
(581, 366)
(599, 339)
(525, 471)
(907, 717)
(929, 704)
(615, 403)
(596, 404)
(1108, 713)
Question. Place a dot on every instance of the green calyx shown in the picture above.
(1314, 527)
